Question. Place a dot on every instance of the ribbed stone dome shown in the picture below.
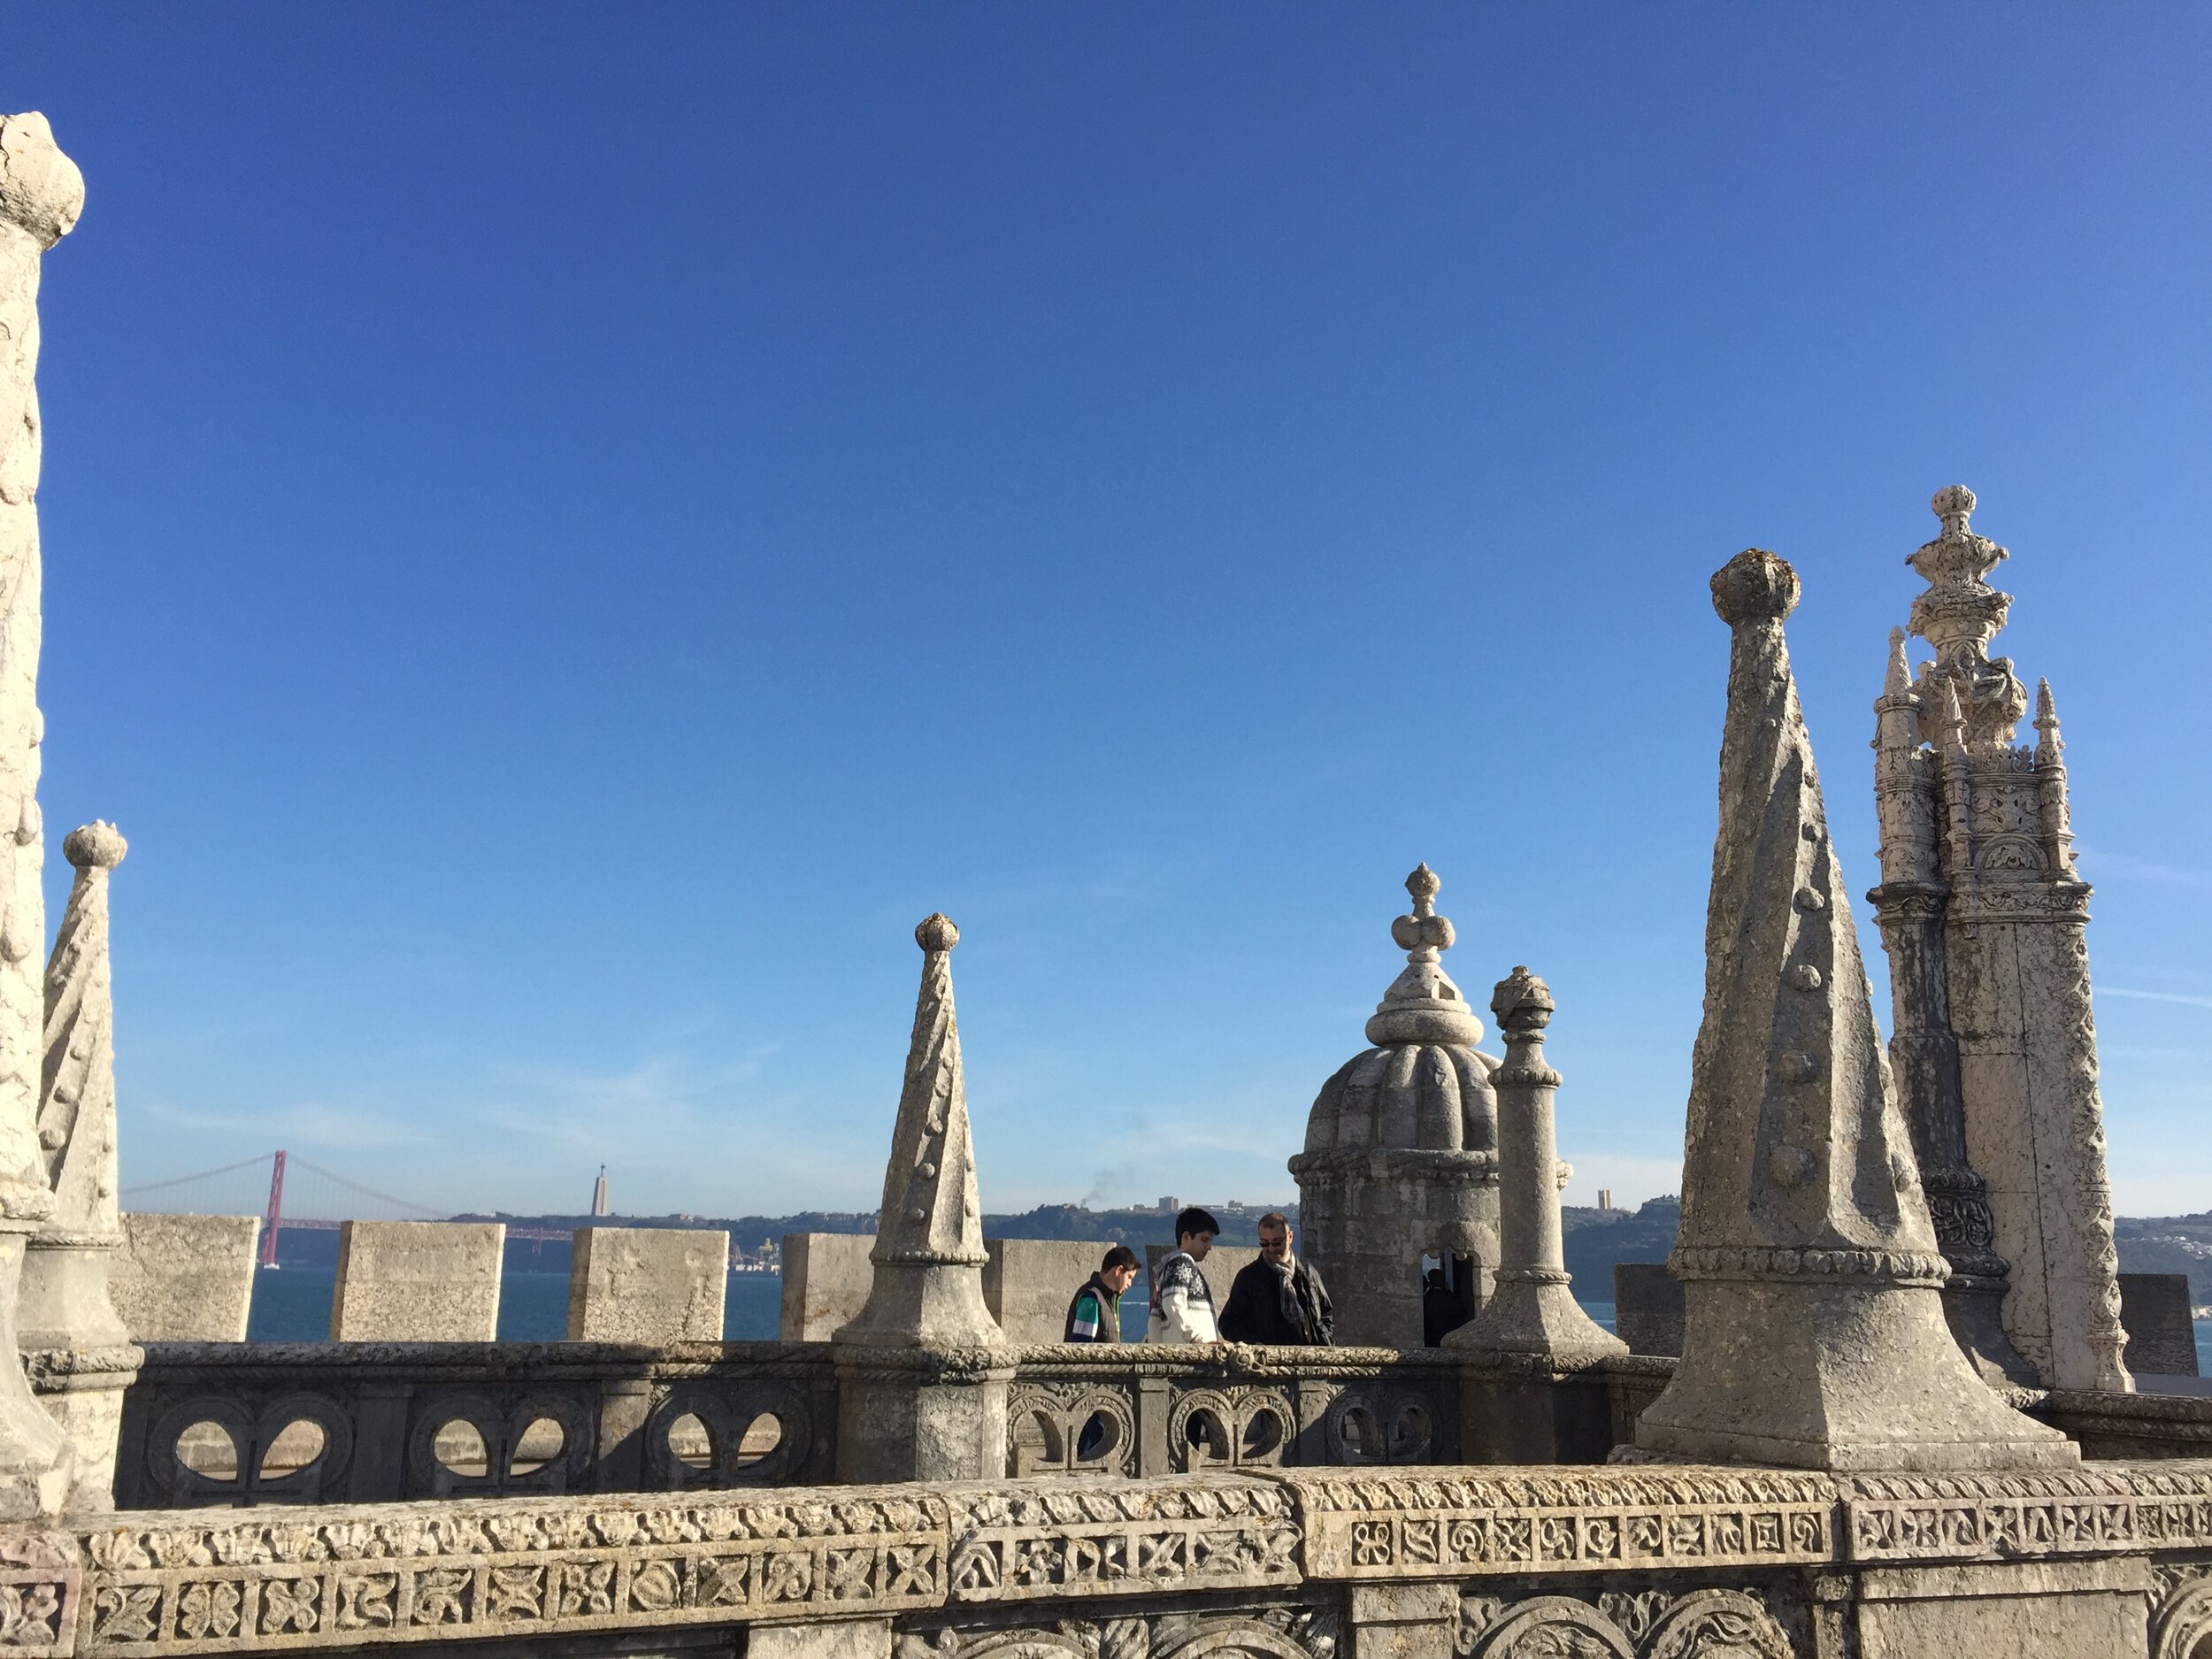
(1422, 1086)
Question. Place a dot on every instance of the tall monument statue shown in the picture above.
(41, 195)
(1985, 919)
(1814, 1327)
(79, 1355)
(923, 1367)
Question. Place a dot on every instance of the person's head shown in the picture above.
(1275, 1236)
(1118, 1270)
(1194, 1231)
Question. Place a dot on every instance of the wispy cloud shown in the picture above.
(2127, 866)
(2184, 999)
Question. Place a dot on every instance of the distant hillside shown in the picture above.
(2168, 1244)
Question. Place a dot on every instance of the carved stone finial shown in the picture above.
(2048, 743)
(1898, 681)
(1756, 585)
(1960, 615)
(935, 931)
(1954, 505)
(1814, 1333)
(41, 189)
(1522, 1003)
(1423, 1005)
(98, 845)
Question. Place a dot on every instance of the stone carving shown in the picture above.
(501, 1421)
(1274, 1632)
(2181, 1608)
(731, 1413)
(40, 1584)
(66, 1309)
(1046, 1425)
(1464, 1524)
(1641, 1625)
(1401, 1156)
(1381, 1425)
(1532, 1309)
(2092, 1511)
(1813, 1332)
(922, 1370)
(540, 1567)
(1210, 1531)
(41, 195)
(243, 1471)
(1923, 1051)
(1982, 914)
(1231, 1427)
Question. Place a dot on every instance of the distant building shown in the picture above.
(599, 1194)
(1605, 1198)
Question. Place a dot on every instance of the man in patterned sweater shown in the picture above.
(1182, 1301)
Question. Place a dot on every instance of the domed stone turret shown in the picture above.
(1400, 1161)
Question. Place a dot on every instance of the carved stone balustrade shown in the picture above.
(1652, 1561)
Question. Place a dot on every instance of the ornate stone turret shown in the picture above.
(922, 1368)
(78, 1355)
(41, 195)
(1401, 1159)
(1923, 1053)
(1814, 1330)
(1532, 1309)
(1984, 918)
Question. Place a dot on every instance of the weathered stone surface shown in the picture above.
(185, 1278)
(1028, 1284)
(418, 1281)
(2161, 1337)
(1219, 1269)
(922, 1370)
(647, 1285)
(41, 195)
(1813, 1329)
(1647, 1307)
(1401, 1159)
(1984, 917)
(826, 1281)
(1532, 1309)
(84, 1359)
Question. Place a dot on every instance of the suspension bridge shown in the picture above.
(286, 1190)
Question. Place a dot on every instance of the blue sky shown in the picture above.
(569, 529)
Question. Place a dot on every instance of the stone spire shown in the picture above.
(41, 195)
(1813, 1332)
(1533, 1310)
(1989, 952)
(80, 1355)
(928, 1255)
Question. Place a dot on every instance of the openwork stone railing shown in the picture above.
(1647, 1561)
(267, 1423)
(245, 1424)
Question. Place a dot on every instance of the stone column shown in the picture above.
(1814, 1333)
(75, 1347)
(922, 1370)
(1923, 1053)
(41, 195)
(1533, 1309)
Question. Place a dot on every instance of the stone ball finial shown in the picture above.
(1522, 1002)
(1952, 501)
(936, 932)
(1756, 585)
(98, 845)
(1423, 883)
(41, 188)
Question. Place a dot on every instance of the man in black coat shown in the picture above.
(1278, 1299)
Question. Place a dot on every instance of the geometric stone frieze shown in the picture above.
(319, 1579)
(2099, 1511)
(1091, 1538)
(1562, 1520)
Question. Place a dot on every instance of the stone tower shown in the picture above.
(1814, 1330)
(1984, 918)
(1401, 1149)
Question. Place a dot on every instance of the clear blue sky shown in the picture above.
(569, 529)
